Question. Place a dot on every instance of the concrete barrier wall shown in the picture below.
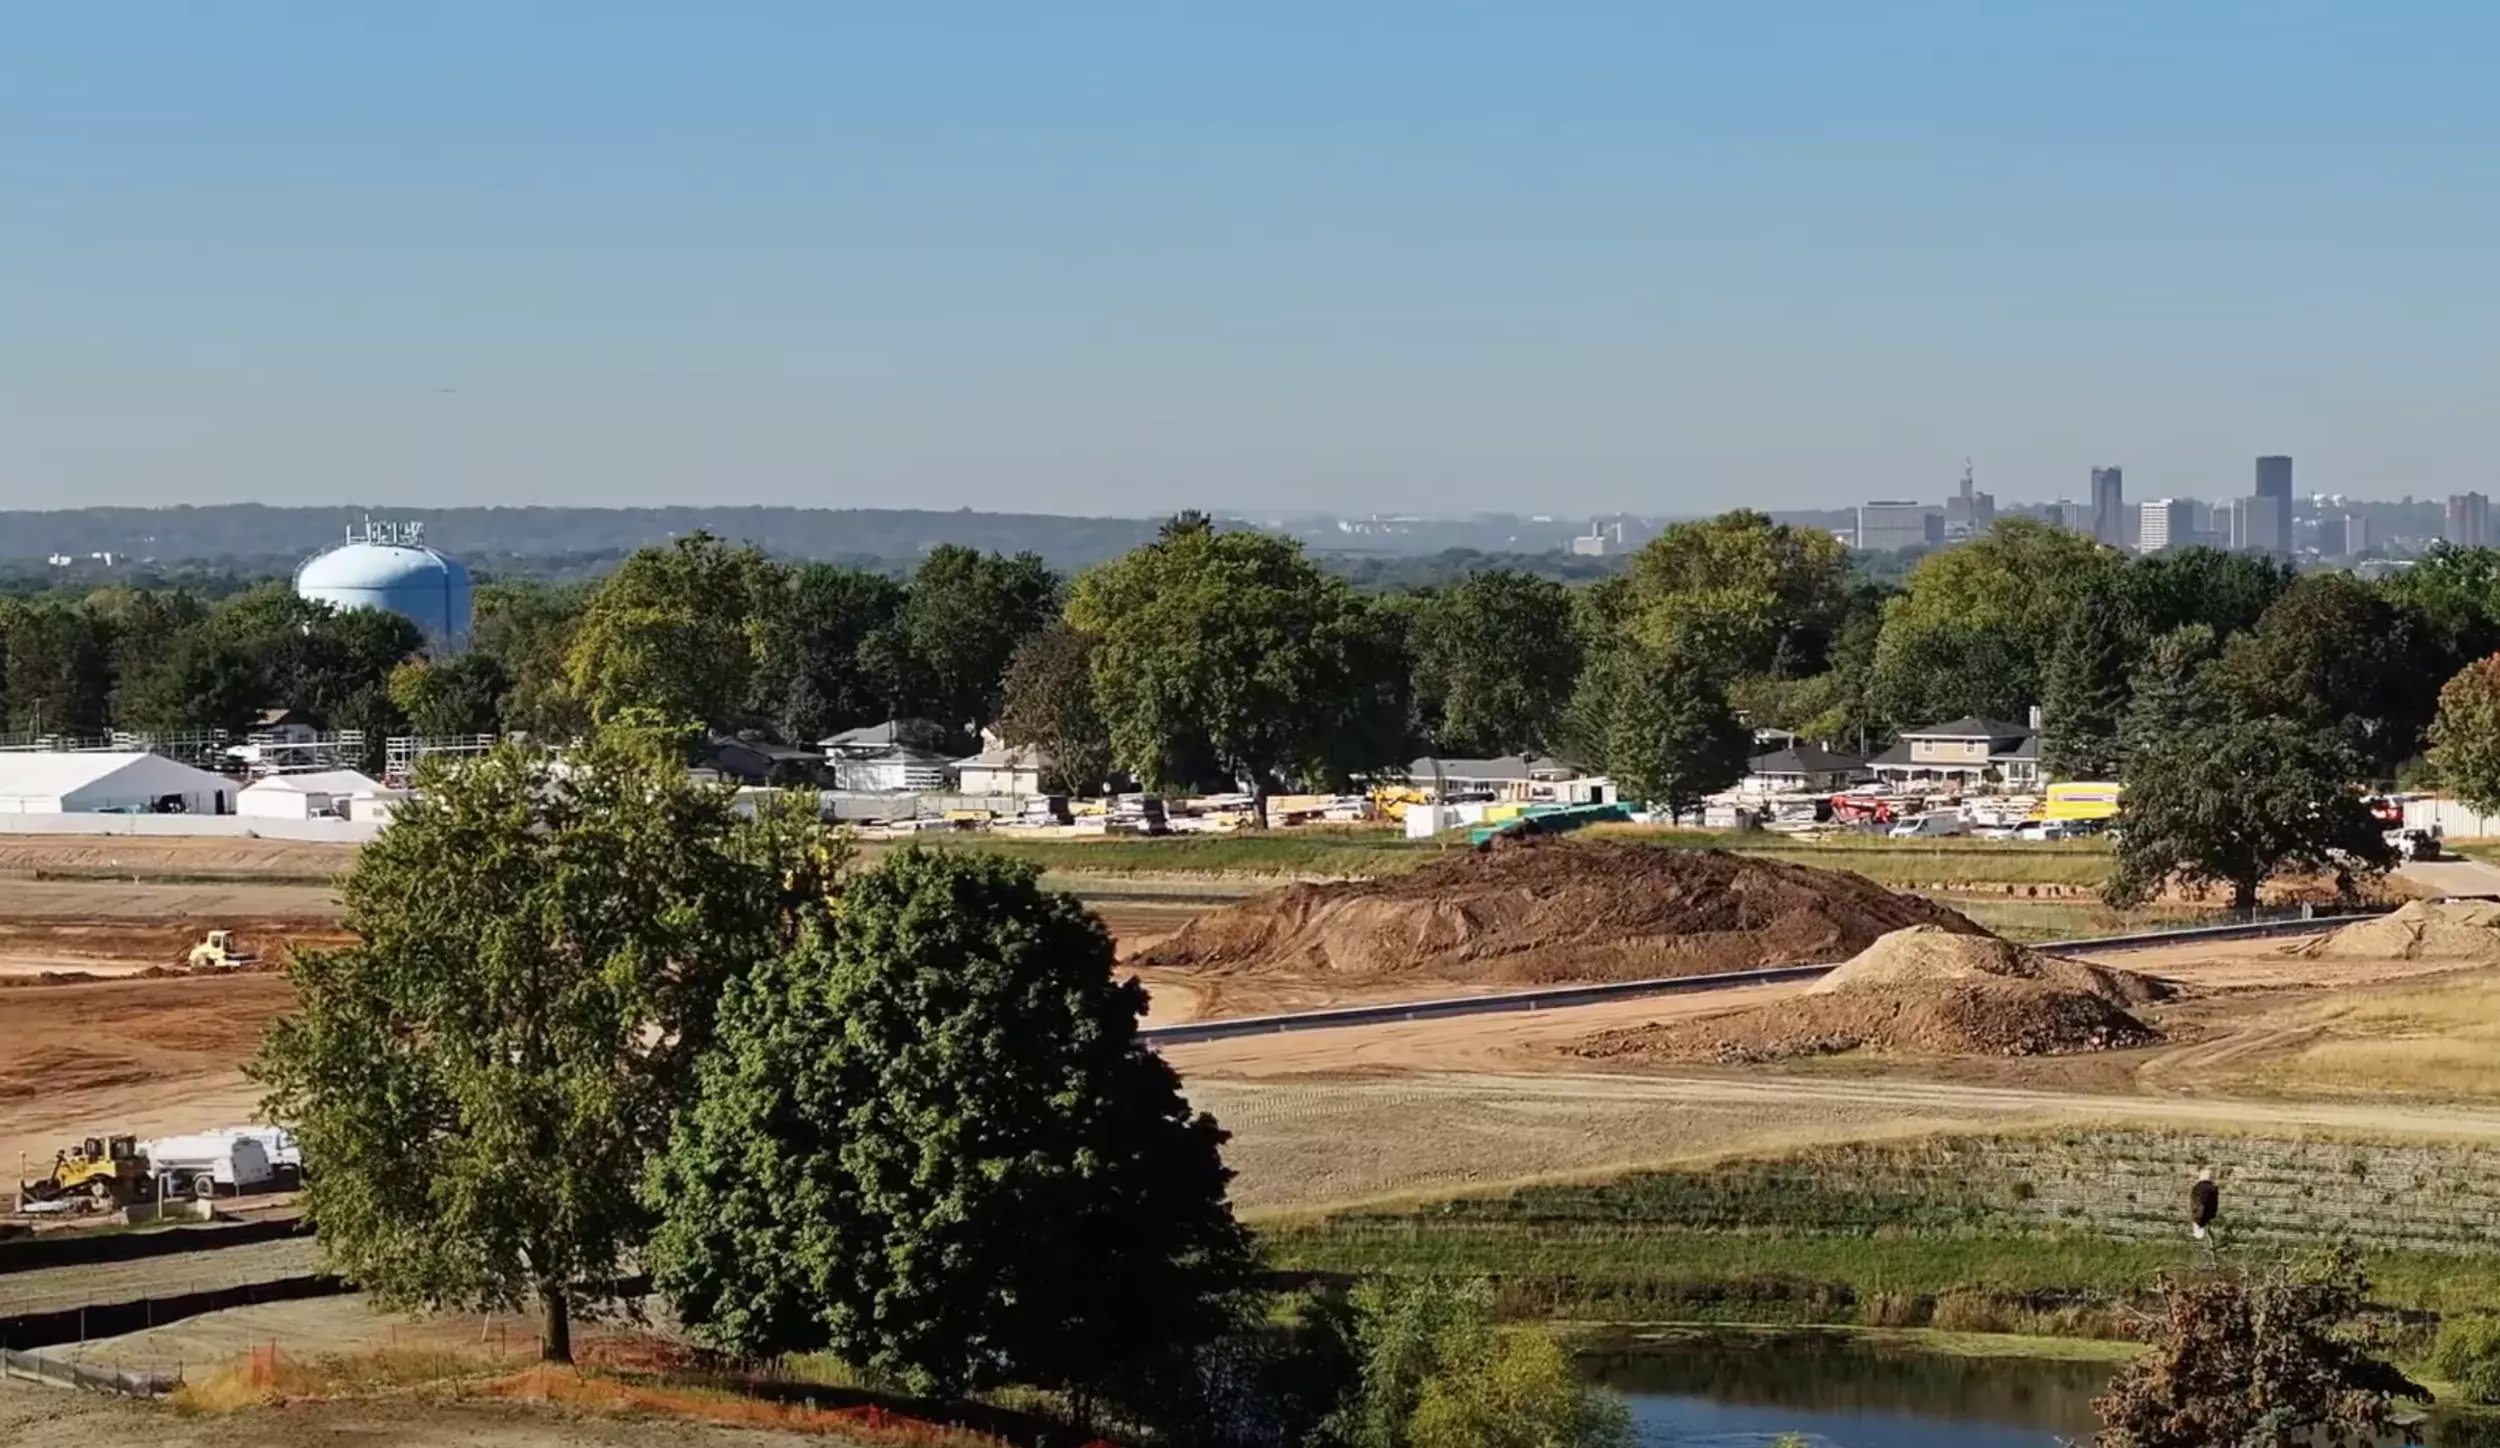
(154, 826)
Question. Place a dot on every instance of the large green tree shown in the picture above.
(2456, 591)
(1495, 660)
(1740, 594)
(2465, 737)
(675, 633)
(2235, 801)
(1974, 627)
(818, 673)
(1232, 648)
(2084, 701)
(478, 1080)
(961, 621)
(57, 678)
(2332, 654)
(2226, 592)
(1437, 1372)
(928, 1139)
(448, 697)
(1049, 707)
(1660, 726)
(527, 629)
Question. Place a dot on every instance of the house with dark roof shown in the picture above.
(1970, 751)
(1510, 776)
(1807, 768)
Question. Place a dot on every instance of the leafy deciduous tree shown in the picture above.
(479, 1080)
(1049, 707)
(1975, 625)
(1436, 1373)
(2332, 654)
(2235, 801)
(929, 1140)
(1660, 726)
(1232, 648)
(818, 674)
(1740, 594)
(2465, 737)
(1495, 660)
(440, 698)
(961, 621)
(676, 631)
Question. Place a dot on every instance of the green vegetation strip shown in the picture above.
(2049, 1234)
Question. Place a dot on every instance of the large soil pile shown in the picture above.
(2417, 930)
(1919, 991)
(1544, 910)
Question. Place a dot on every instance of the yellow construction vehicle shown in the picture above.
(219, 952)
(109, 1170)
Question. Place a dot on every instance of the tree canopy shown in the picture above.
(2465, 737)
(1975, 626)
(1230, 648)
(2333, 654)
(1495, 660)
(928, 1139)
(2234, 801)
(1739, 594)
(1049, 706)
(478, 1080)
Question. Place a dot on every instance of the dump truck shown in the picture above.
(111, 1171)
(220, 951)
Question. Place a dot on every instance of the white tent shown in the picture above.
(322, 792)
(107, 780)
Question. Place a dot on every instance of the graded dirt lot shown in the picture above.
(171, 855)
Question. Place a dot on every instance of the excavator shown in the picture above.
(110, 1170)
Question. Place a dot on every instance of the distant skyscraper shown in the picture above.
(2164, 523)
(2469, 520)
(1969, 513)
(2265, 526)
(2274, 480)
(2356, 535)
(1889, 527)
(2109, 506)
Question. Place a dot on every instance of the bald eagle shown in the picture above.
(2204, 1202)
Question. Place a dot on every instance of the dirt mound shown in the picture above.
(1919, 991)
(1539, 910)
(2416, 930)
(1923, 956)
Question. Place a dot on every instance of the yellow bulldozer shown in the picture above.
(108, 1170)
(220, 951)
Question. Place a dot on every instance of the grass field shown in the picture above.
(2048, 1232)
(2441, 1040)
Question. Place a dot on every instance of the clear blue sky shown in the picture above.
(1124, 258)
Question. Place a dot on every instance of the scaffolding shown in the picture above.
(268, 752)
(200, 748)
(401, 755)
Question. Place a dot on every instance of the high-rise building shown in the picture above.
(2164, 523)
(2109, 506)
(2274, 481)
(2469, 520)
(2356, 535)
(1969, 513)
(1889, 527)
(2264, 526)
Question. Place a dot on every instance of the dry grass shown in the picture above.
(269, 1376)
(2439, 1040)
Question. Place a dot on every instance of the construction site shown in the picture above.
(1832, 1014)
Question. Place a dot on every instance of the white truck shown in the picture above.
(225, 1162)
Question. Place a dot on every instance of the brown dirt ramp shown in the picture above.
(1550, 910)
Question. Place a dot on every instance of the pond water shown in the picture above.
(1743, 1390)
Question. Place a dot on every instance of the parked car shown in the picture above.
(1933, 823)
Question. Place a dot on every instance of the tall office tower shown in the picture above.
(2109, 506)
(2274, 480)
(2163, 523)
(2265, 526)
(2356, 535)
(2469, 520)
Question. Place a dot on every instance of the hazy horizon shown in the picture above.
(1109, 261)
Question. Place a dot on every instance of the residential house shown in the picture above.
(284, 726)
(1971, 752)
(873, 739)
(896, 769)
(1511, 776)
(728, 758)
(1000, 770)
(1801, 768)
